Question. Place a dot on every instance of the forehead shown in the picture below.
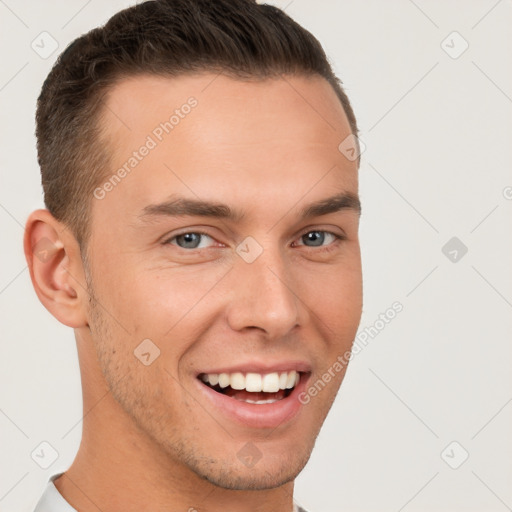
(216, 137)
(139, 96)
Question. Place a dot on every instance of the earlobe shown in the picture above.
(56, 269)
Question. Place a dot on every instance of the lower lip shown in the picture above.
(258, 415)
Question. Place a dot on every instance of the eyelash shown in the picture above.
(323, 248)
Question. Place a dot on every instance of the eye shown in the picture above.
(318, 238)
(191, 240)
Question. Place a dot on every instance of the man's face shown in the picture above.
(211, 300)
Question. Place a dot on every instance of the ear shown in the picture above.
(56, 269)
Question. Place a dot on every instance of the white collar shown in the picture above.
(52, 500)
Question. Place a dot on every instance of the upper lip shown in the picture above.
(262, 368)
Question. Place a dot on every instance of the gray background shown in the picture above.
(436, 166)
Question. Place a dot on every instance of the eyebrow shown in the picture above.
(181, 206)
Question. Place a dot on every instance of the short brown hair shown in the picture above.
(240, 38)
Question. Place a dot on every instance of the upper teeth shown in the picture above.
(254, 382)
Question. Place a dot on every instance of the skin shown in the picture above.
(267, 149)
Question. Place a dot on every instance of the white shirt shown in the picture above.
(53, 501)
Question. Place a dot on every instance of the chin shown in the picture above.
(253, 479)
(269, 472)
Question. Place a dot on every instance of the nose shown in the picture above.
(263, 297)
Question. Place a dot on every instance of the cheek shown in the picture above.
(169, 306)
(335, 296)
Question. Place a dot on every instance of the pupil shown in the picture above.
(316, 237)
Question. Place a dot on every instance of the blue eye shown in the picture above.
(190, 240)
(318, 238)
(198, 240)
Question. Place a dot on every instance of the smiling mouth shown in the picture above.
(253, 388)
